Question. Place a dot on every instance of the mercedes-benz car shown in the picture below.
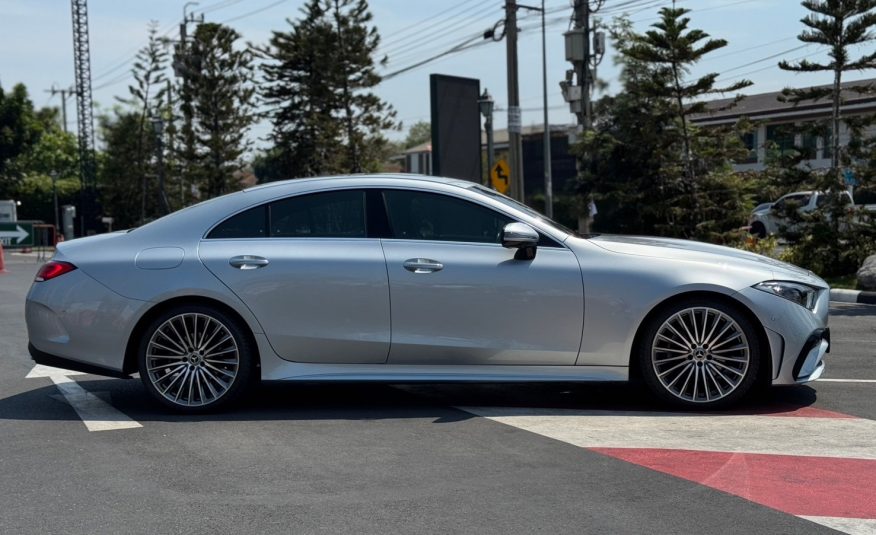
(404, 278)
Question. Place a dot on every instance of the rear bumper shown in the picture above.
(78, 319)
(41, 357)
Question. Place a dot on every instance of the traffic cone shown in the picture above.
(2, 260)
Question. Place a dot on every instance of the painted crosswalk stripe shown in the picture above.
(816, 464)
(96, 414)
(846, 380)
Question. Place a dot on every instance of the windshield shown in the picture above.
(508, 201)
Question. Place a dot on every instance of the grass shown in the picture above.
(846, 282)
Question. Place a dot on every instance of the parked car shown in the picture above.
(769, 218)
(412, 278)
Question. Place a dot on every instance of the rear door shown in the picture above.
(459, 297)
(313, 278)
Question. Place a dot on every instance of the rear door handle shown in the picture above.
(247, 262)
(423, 265)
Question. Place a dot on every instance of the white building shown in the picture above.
(769, 114)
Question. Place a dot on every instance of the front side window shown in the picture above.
(415, 215)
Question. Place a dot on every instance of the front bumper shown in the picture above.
(810, 363)
(798, 337)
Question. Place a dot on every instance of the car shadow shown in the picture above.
(442, 403)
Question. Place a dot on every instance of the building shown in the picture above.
(770, 115)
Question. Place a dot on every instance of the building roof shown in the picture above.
(501, 136)
(768, 106)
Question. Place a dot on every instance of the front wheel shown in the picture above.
(195, 358)
(701, 353)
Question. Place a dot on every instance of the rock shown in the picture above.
(867, 274)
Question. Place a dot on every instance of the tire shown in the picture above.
(196, 358)
(695, 342)
(758, 229)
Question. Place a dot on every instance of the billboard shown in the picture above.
(456, 127)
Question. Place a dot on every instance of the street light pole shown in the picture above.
(548, 173)
(486, 105)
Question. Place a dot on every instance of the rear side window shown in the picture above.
(249, 224)
(335, 214)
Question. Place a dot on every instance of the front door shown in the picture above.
(315, 282)
(458, 297)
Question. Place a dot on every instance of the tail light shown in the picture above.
(52, 269)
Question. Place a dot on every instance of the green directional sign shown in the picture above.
(16, 234)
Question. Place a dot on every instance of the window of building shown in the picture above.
(809, 146)
(750, 142)
(415, 215)
(782, 135)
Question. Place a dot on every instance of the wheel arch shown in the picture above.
(130, 363)
(766, 363)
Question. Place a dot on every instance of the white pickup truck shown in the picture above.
(768, 218)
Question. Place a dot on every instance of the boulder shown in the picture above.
(867, 274)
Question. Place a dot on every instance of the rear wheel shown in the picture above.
(700, 353)
(195, 358)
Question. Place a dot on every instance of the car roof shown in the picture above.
(369, 177)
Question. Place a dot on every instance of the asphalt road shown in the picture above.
(561, 458)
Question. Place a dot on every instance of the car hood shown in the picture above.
(692, 251)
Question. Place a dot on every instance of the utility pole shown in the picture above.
(577, 86)
(548, 173)
(65, 94)
(515, 142)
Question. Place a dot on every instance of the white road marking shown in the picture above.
(96, 414)
(47, 371)
(820, 437)
(852, 526)
(847, 380)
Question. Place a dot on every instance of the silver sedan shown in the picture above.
(412, 278)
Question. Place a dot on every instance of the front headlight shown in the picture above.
(801, 294)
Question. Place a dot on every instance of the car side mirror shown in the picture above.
(522, 237)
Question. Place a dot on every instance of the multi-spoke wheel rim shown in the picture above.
(192, 359)
(700, 355)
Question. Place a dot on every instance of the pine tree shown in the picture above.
(219, 89)
(147, 98)
(674, 49)
(832, 240)
(298, 89)
(838, 25)
(320, 75)
(653, 170)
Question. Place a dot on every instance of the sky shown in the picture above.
(36, 45)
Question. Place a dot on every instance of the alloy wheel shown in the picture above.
(700, 355)
(192, 359)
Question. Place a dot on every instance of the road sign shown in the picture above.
(16, 234)
(500, 176)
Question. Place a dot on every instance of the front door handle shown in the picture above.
(422, 265)
(247, 262)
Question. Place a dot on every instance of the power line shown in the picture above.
(392, 38)
(254, 12)
(439, 29)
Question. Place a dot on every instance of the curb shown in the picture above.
(853, 296)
